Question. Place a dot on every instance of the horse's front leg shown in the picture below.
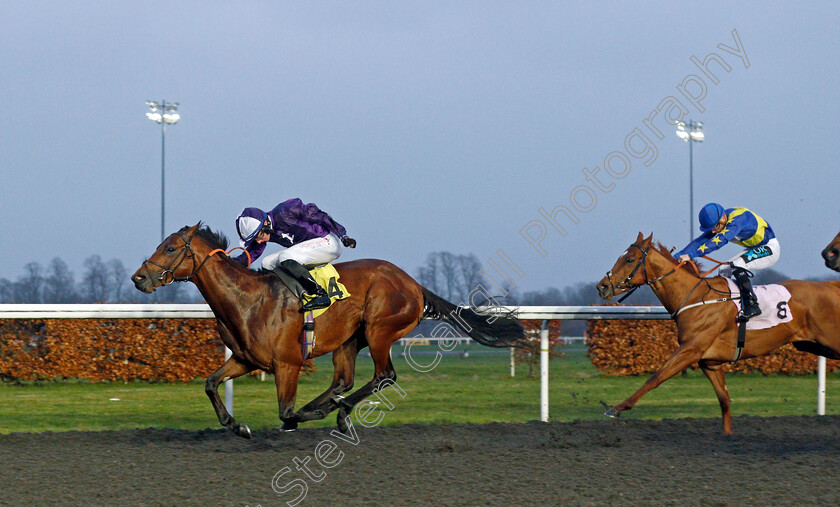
(231, 369)
(687, 354)
(286, 380)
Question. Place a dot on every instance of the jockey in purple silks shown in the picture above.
(310, 237)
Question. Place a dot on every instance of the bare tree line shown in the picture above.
(101, 282)
(452, 276)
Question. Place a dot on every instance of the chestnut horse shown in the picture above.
(831, 254)
(706, 327)
(257, 318)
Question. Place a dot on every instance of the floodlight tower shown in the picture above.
(690, 132)
(164, 113)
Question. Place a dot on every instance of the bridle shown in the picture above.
(186, 253)
(626, 284)
(167, 273)
(630, 287)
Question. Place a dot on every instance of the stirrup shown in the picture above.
(320, 301)
(747, 313)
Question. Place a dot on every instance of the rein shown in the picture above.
(630, 287)
(683, 307)
(186, 252)
(717, 265)
(228, 253)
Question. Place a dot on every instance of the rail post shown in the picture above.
(544, 371)
(821, 385)
(228, 387)
(512, 363)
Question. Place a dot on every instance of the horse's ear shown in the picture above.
(191, 230)
(648, 239)
(640, 237)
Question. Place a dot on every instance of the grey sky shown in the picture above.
(420, 126)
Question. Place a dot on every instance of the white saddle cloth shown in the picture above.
(773, 300)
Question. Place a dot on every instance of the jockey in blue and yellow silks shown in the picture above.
(742, 227)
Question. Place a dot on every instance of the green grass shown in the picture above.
(477, 389)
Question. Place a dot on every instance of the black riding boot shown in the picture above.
(297, 277)
(749, 303)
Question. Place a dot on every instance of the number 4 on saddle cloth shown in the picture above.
(327, 277)
(772, 299)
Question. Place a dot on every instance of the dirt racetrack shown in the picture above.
(768, 461)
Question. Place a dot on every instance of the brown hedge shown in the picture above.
(634, 347)
(120, 349)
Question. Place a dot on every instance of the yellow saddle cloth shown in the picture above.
(327, 277)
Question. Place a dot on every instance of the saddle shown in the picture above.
(773, 300)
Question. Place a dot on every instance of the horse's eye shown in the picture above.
(171, 249)
(629, 260)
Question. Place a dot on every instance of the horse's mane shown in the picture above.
(215, 238)
(662, 249)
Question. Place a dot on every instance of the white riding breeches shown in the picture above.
(310, 253)
(755, 258)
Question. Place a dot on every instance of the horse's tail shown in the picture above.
(495, 328)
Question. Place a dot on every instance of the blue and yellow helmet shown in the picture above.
(710, 216)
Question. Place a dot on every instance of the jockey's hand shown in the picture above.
(684, 258)
(348, 242)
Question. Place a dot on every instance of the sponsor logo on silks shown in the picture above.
(757, 253)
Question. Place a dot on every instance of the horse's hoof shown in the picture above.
(611, 412)
(342, 423)
(289, 426)
(243, 431)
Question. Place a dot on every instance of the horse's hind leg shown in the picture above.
(231, 369)
(344, 364)
(381, 331)
(383, 377)
(718, 380)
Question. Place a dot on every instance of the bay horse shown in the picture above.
(258, 320)
(706, 328)
(831, 254)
